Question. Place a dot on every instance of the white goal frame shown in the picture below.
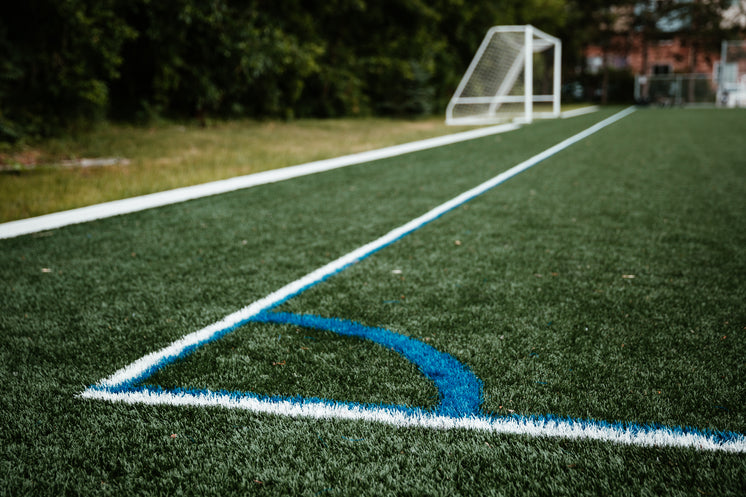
(731, 74)
(534, 41)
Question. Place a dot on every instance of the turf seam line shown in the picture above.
(143, 367)
(55, 220)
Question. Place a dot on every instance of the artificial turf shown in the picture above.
(605, 283)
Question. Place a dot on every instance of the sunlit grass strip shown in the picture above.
(126, 206)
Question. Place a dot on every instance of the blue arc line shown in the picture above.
(459, 390)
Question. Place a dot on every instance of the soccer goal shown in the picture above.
(515, 74)
(731, 74)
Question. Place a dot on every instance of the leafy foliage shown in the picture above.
(71, 61)
(57, 58)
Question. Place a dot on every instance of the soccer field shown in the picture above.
(578, 328)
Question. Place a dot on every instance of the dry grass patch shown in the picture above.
(40, 179)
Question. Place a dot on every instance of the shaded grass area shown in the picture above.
(33, 180)
(532, 298)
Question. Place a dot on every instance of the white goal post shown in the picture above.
(514, 68)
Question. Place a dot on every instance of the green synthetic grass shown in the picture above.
(529, 285)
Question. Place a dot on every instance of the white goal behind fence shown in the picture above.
(515, 74)
(731, 74)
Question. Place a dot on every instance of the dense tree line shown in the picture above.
(64, 63)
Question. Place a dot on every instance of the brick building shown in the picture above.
(672, 52)
(665, 56)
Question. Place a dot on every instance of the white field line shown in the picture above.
(108, 209)
(518, 425)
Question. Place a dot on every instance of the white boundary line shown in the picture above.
(515, 425)
(533, 426)
(108, 209)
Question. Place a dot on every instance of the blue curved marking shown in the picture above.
(459, 390)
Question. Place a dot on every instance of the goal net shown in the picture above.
(515, 74)
(731, 74)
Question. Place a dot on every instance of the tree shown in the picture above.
(211, 57)
(57, 59)
(698, 22)
(69, 61)
(602, 23)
